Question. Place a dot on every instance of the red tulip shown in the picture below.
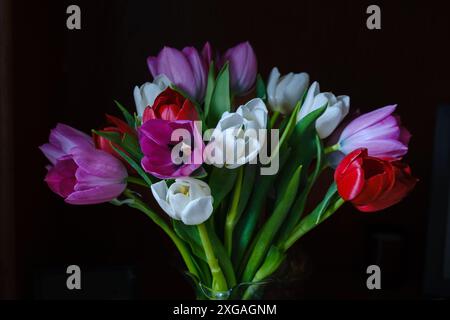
(370, 183)
(170, 105)
(120, 127)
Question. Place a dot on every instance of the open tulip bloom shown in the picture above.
(204, 158)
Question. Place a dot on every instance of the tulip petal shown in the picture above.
(61, 177)
(99, 163)
(197, 211)
(367, 120)
(99, 194)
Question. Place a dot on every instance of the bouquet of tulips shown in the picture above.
(234, 184)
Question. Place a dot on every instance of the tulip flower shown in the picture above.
(379, 131)
(236, 140)
(62, 140)
(285, 92)
(170, 105)
(187, 69)
(243, 67)
(187, 199)
(80, 173)
(171, 149)
(120, 127)
(146, 94)
(337, 109)
(370, 183)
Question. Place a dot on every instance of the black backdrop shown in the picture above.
(72, 76)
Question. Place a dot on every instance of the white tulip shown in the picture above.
(337, 109)
(285, 92)
(187, 199)
(238, 138)
(145, 95)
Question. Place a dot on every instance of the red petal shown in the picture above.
(188, 111)
(148, 114)
(120, 124)
(402, 185)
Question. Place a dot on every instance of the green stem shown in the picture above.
(184, 251)
(332, 148)
(300, 231)
(137, 181)
(219, 282)
(232, 217)
(274, 118)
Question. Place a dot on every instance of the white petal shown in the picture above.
(281, 89)
(313, 91)
(149, 92)
(271, 87)
(295, 90)
(138, 101)
(159, 191)
(346, 104)
(322, 99)
(255, 110)
(162, 82)
(197, 211)
(328, 121)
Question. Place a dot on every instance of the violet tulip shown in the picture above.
(80, 173)
(187, 69)
(243, 67)
(172, 149)
(378, 131)
(62, 139)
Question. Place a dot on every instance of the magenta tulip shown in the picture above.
(80, 173)
(243, 67)
(187, 69)
(172, 149)
(378, 131)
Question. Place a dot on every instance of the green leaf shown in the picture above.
(134, 165)
(210, 87)
(221, 181)
(264, 239)
(260, 88)
(128, 142)
(247, 187)
(299, 205)
(304, 149)
(220, 99)
(250, 217)
(191, 236)
(128, 117)
(273, 260)
(222, 256)
(324, 210)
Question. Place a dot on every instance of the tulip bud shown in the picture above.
(284, 93)
(186, 69)
(80, 173)
(337, 109)
(370, 183)
(243, 67)
(237, 140)
(379, 131)
(188, 200)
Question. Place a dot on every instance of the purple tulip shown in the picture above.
(243, 67)
(172, 149)
(80, 173)
(62, 139)
(379, 131)
(187, 69)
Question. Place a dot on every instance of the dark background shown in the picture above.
(72, 77)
